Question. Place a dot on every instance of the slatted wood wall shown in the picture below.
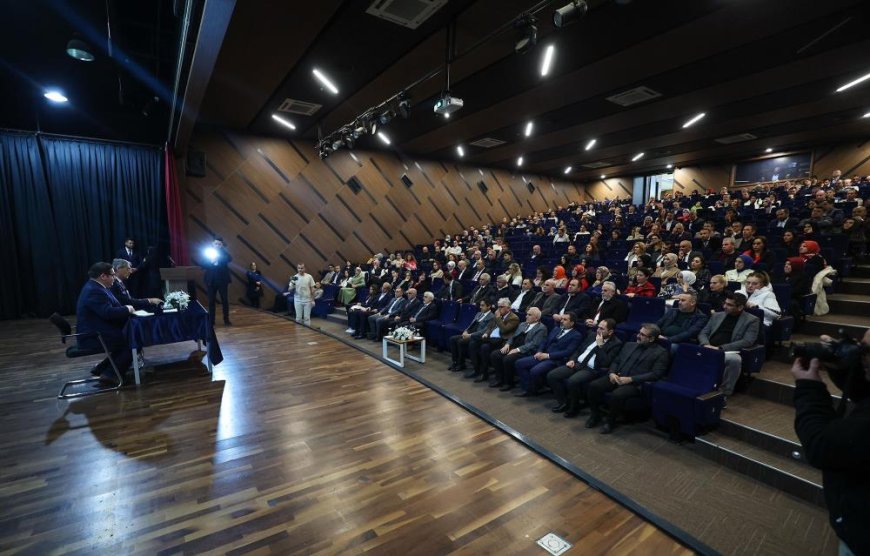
(276, 203)
(701, 178)
(851, 158)
(608, 188)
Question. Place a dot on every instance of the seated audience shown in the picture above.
(524, 298)
(759, 293)
(460, 343)
(682, 324)
(610, 307)
(560, 344)
(358, 314)
(742, 269)
(730, 331)
(498, 331)
(574, 301)
(714, 295)
(378, 321)
(640, 285)
(527, 339)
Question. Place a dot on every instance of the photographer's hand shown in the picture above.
(806, 373)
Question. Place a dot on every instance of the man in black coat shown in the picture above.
(574, 301)
(119, 290)
(129, 253)
(452, 289)
(610, 307)
(217, 278)
(524, 297)
(838, 445)
(638, 362)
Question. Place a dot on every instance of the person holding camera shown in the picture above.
(835, 441)
(302, 286)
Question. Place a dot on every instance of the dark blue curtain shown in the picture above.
(66, 204)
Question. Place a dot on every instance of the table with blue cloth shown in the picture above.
(169, 328)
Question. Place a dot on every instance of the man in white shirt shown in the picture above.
(302, 284)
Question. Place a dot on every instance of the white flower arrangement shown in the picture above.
(404, 333)
(178, 299)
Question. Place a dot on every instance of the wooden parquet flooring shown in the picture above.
(297, 445)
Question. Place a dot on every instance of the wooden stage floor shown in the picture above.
(297, 445)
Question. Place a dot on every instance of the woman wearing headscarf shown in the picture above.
(560, 279)
(668, 270)
(800, 282)
(683, 284)
(814, 262)
(742, 269)
(579, 272)
(348, 292)
(602, 274)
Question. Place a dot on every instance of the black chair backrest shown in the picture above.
(61, 323)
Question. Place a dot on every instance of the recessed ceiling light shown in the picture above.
(383, 137)
(603, 176)
(568, 170)
(520, 161)
(283, 121)
(669, 166)
(853, 83)
(80, 50)
(867, 115)
(548, 60)
(325, 81)
(447, 115)
(460, 151)
(768, 150)
(591, 144)
(637, 157)
(529, 126)
(694, 119)
(55, 96)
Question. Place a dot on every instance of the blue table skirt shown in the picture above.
(169, 328)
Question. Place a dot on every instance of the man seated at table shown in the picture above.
(123, 271)
(98, 310)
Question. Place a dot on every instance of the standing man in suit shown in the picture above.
(498, 331)
(730, 331)
(594, 354)
(610, 307)
(459, 344)
(524, 298)
(385, 315)
(97, 310)
(561, 343)
(527, 339)
(129, 254)
(638, 362)
(574, 301)
(217, 278)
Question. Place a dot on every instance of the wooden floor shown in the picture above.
(297, 445)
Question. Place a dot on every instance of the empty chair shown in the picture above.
(75, 351)
(641, 310)
(465, 315)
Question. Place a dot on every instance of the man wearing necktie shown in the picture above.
(524, 298)
(452, 289)
(377, 321)
(128, 253)
(425, 312)
(97, 311)
(527, 339)
(594, 354)
(459, 343)
(497, 332)
(574, 301)
(562, 342)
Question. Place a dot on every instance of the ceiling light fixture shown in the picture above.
(569, 13)
(528, 131)
(867, 115)
(568, 170)
(591, 144)
(603, 176)
(460, 151)
(637, 157)
(768, 150)
(383, 137)
(282, 121)
(529, 33)
(520, 161)
(669, 166)
(694, 120)
(548, 60)
(447, 115)
(80, 50)
(55, 96)
(325, 81)
(853, 83)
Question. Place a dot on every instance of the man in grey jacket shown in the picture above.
(526, 340)
(459, 344)
(730, 331)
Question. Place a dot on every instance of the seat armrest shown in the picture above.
(710, 395)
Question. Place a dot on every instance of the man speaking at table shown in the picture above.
(98, 310)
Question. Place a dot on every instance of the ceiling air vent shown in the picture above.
(634, 96)
(294, 106)
(407, 13)
(487, 142)
(599, 164)
(739, 138)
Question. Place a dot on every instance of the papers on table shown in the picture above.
(142, 313)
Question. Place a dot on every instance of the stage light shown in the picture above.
(851, 84)
(693, 120)
(210, 253)
(80, 50)
(867, 115)
(768, 150)
(55, 96)
(460, 151)
(591, 144)
(528, 131)
(520, 161)
(383, 137)
(337, 144)
(385, 117)
(325, 81)
(548, 60)
(447, 115)
(568, 170)
(283, 121)
(404, 108)
(569, 13)
(637, 157)
(529, 31)
(603, 176)
(669, 166)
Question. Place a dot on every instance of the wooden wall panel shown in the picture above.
(702, 178)
(276, 203)
(850, 158)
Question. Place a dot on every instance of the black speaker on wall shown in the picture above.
(406, 180)
(531, 187)
(482, 186)
(355, 185)
(196, 164)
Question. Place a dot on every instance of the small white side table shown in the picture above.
(403, 349)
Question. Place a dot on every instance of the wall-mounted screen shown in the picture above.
(789, 167)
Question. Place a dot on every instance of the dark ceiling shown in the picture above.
(765, 68)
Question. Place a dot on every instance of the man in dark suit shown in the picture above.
(527, 339)
(638, 362)
(524, 297)
(358, 315)
(129, 253)
(705, 243)
(683, 324)
(610, 307)
(561, 343)
(217, 278)
(459, 344)
(484, 290)
(452, 289)
(498, 331)
(783, 221)
(730, 331)
(548, 300)
(594, 354)
(462, 271)
(425, 312)
(97, 310)
(119, 290)
(382, 318)
(574, 301)
(503, 289)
